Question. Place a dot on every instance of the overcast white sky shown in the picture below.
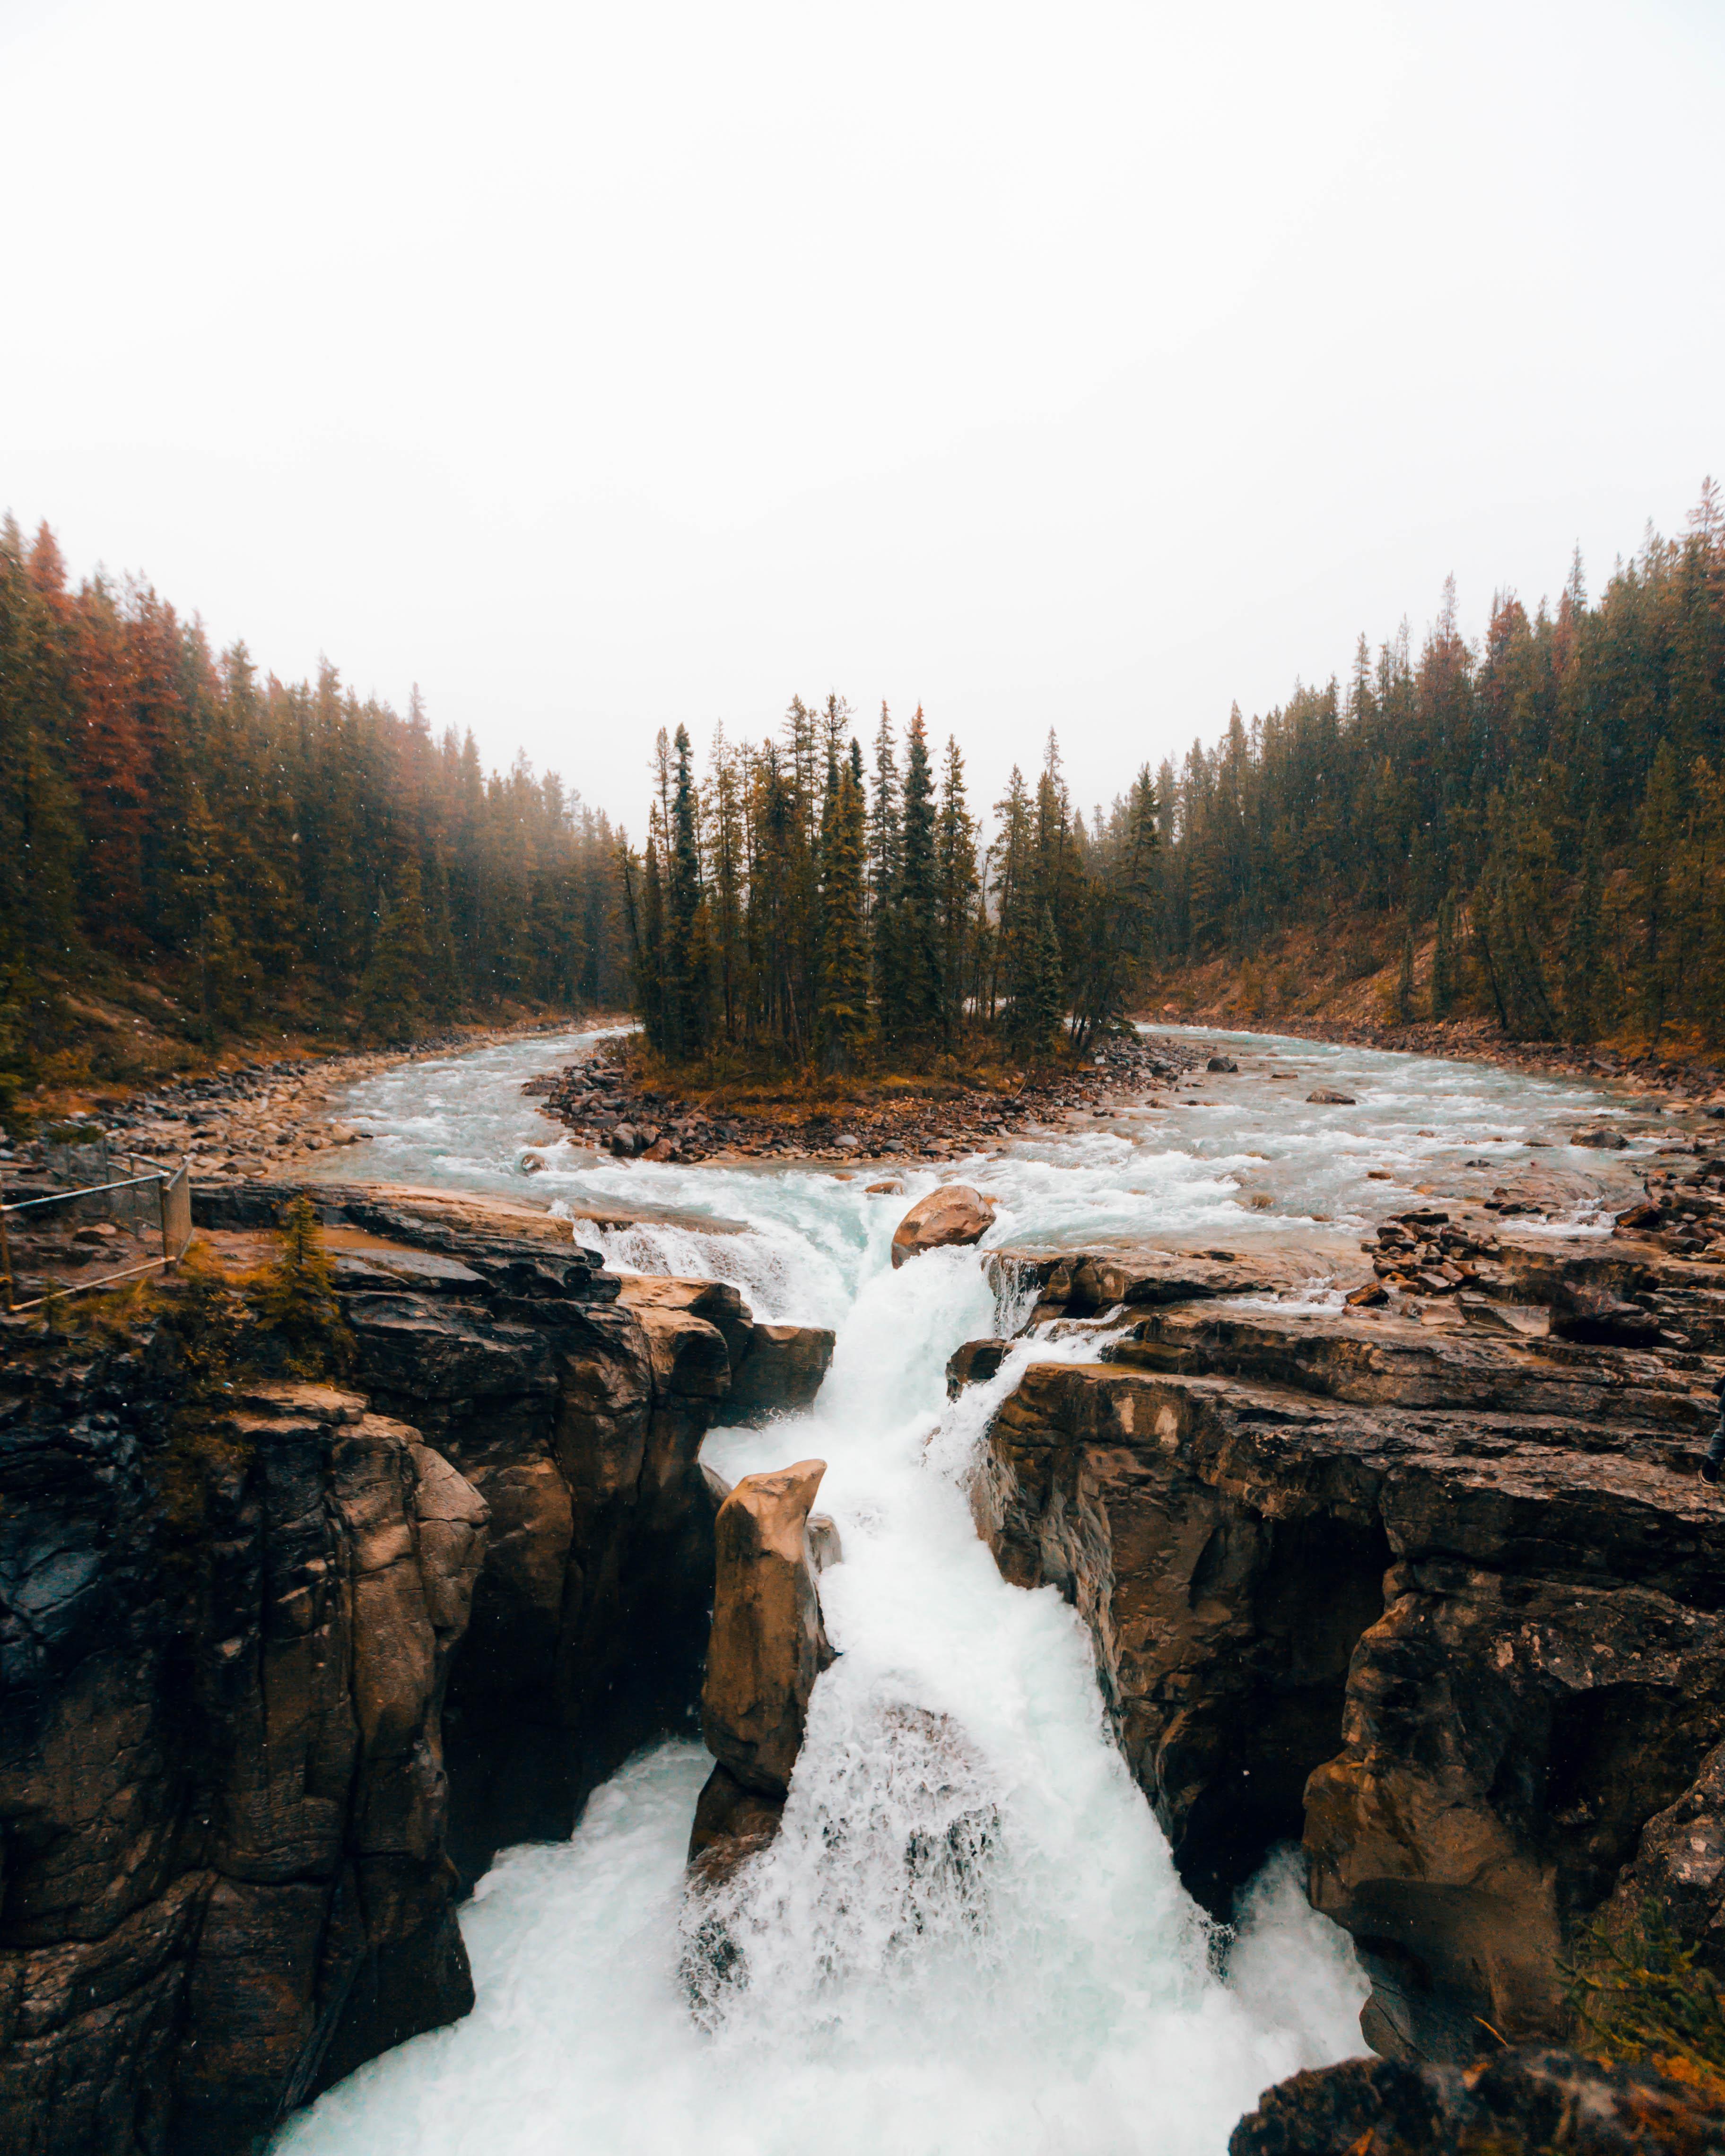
(1089, 365)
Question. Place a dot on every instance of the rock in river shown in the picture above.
(947, 1219)
(769, 1644)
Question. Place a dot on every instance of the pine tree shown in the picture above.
(687, 965)
(1657, 840)
(1584, 954)
(844, 1012)
(916, 1020)
(1040, 1006)
(293, 1299)
(885, 874)
(391, 989)
(956, 870)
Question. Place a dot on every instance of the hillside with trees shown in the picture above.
(1529, 833)
(188, 846)
(1540, 821)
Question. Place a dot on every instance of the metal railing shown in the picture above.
(160, 1201)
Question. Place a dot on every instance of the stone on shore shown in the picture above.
(1521, 2098)
(950, 1218)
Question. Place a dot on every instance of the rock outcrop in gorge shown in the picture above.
(1442, 1599)
(768, 1645)
(575, 1401)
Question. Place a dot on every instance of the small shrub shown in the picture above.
(294, 1302)
(205, 1320)
(1637, 1995)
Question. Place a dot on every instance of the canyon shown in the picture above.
(1392, 1552)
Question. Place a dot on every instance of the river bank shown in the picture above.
(246, 1116)
(1481, 1040)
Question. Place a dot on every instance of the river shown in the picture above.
(1034, 1979)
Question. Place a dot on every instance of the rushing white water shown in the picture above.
(969, 1935)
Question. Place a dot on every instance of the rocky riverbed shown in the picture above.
(238, 1120)
(603, 1103)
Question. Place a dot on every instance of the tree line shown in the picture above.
(274, 855)
(802, 902)
(1544, 813)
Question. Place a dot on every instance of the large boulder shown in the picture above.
(769, 1644)
(950, 1218)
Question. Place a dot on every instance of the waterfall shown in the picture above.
(969, 1934)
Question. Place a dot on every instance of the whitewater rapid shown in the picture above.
(969, 1934)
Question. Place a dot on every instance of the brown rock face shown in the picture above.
(1078, 1282)
(952, 1217)
(1519, 2099)
(769, 1644)
(225, 1814)
(774, 1369)
(781, 1369)
(222, 1792)
(1448, 1605)
(731, 1824)
(973, 1363)
(581, 1419)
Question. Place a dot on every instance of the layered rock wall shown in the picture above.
(222, 1794)
(1450, 1609)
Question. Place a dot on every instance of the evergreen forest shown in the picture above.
(230, 856)
(1529, 831)
(1534, 828)
(1542, 816)
(805, 904)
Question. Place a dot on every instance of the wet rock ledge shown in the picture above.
(273, 1689)
(1443, 1602)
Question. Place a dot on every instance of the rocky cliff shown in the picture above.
(269, 1692)
(1442, 1599)
(221, 1785)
